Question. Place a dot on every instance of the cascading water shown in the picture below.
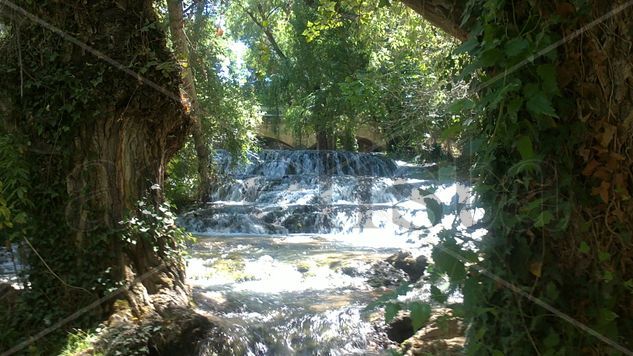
(287, 240)
(316, 192)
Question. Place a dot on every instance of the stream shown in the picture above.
(291, 248)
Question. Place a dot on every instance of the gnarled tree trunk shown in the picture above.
(99, 103)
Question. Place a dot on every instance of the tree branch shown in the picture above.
(445, 14)
(269, 35)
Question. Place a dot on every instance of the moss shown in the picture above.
(303, 266)
(232, 266)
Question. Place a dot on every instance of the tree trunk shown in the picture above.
(103, 138)
(445, 14)
(181, 48)
(581, 267)
(324, 139)
(348, 139)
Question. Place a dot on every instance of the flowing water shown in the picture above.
(291, 243)
(10, 266)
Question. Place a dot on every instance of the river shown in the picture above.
(289, 244)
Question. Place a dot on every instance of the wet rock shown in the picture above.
(175, 331)
(185, 331)
(383, 274)
(413, 266)
(303, 267)
(351, 271)
(443, 335)
(400, 328)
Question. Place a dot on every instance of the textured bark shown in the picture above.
(108, 143)
(595, 73)
(324, 140)
(445, 14)
(120, 154)
(181, 48)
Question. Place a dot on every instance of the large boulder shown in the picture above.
(175, 331)
(442, 335)
(413, 266)
(383, 274)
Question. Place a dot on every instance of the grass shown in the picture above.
(80, 342)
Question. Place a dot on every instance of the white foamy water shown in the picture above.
(288, 240)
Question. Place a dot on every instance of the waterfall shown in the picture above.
(296, 241)
(280, 192)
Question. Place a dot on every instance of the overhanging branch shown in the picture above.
(445, 14)
(269, 35)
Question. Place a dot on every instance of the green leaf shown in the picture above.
(551, 291)
(391, 310)
(606, 316)
(427, 191)
(544, 218)
(524, 145)
(434, 210)
(420, 314)
(491, 57)
(539, 104)
(467, 46)
(462, 104)
(603, 256)
(514, 105)
(551, 340)
(437, 295)
(547, 74)
(496, 96)
(516, 47)
(451, 132)
(446, 261)
(584, 248)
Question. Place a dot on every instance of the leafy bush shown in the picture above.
(156, 226)
(79, 343)
(14, 185)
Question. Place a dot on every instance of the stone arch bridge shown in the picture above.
(275, 134)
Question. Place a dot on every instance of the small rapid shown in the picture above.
(292, 246)
(287, 296)
(314, 192)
